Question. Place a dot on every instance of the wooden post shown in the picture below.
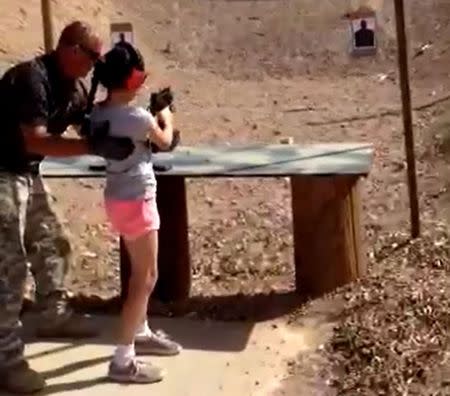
(125, 271)
(175, 275)
(407, 117)
(327, 239)
(47, 24)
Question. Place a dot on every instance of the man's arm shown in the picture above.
(39, 141)
(33, 115)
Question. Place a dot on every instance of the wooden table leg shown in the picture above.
(174, 266)
(125, 271)
(327, 234)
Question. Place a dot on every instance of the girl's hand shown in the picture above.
(162, 136)
(165, 116)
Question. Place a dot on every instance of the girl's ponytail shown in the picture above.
(97, 77)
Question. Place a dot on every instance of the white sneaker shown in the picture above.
(157, 343)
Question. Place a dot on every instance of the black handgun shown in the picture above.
(158, 101)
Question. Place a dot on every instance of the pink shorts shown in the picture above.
(132, 219)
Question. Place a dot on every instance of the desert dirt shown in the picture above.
(239, 68)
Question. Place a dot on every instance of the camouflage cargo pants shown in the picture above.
(31, 237)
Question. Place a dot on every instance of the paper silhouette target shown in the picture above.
(363, 31)
(121, 32)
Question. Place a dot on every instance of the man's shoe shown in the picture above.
(71, 326)
(21, 379)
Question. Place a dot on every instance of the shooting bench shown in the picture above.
(325, 182)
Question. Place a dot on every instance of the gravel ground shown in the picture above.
(394, 334)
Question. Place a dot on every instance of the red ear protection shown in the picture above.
(136, 79)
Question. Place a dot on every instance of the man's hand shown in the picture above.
(39, 141)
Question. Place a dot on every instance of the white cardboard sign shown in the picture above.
(363, 32)
(121, 32)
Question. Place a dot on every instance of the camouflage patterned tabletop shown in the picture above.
(237, 161)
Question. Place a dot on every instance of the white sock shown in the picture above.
(124, 354)
(143, 330)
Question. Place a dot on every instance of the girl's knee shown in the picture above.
(150, 280)
(153, 272)
(143, 285)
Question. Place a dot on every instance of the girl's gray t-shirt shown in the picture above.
(132, 178)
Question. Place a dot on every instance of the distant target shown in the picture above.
(363, 33)
(121, 32)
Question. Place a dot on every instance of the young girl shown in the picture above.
(130, 203)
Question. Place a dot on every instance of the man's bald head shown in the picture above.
(79, 46)
(77, 33)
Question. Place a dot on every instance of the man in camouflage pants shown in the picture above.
(39, 99)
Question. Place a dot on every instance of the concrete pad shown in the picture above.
(236, 359)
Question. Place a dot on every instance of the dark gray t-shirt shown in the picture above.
(36, 92)
(132, 178)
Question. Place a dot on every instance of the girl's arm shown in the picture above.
(162, 137)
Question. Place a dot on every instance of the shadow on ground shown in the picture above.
(191, 333)
(234, 318)
(237, 348)
(236, 307)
